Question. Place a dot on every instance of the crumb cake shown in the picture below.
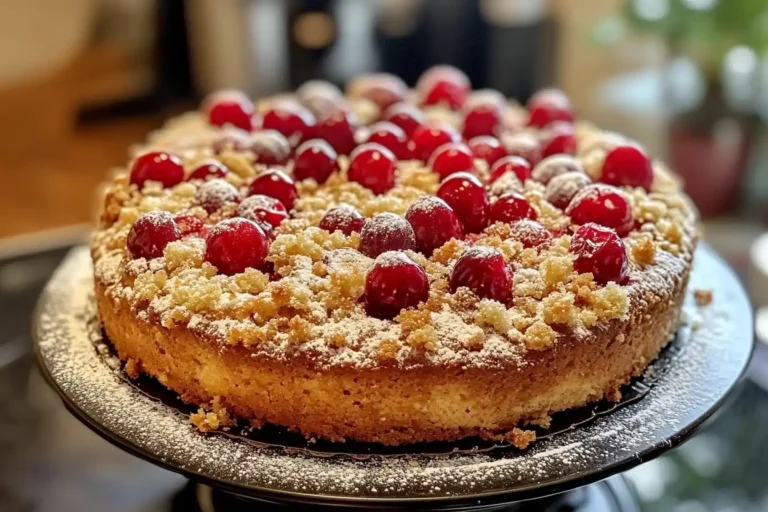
(388, 264)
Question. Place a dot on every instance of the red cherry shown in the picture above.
(214, 194)
(466, 195)
(600, 251)
(482, 119)
(388, 135)
(450, 158)
(604, 205)
(406, 116)
(394, 283)
(627, 166)
(236, 244)
(208, 168)
(190, 225)
(337, 127)
(270, 147)
(562, 188)
(427, 138)
(433, 223)
(275, 183)
(529, 233)
(444, 85)
(548, 106)
(151, 233)
(382, 89)
(315, 159)
(487, 148)
(483, 270)
(345, 218)
(511, 207)
(442, 72)
(230, 107)
(524, 146)
(373, 166)
(514, 164)
(157, 166)
(558, 138)
(294, 121)
(555, 165)
(260, 208)
(386, 232)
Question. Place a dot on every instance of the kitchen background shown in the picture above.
(81, 80)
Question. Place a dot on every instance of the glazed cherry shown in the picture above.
(394, 283)
(270, 147)
(234, 245)
(511, 207)
(514, 164)
(523, 145)
(337, 127)
(627, 166)
(160, 166)
(214, 194)
(373, 166)
(151, 233)
(315, 159)
(483, 270)
(292, 120)
(487, 148)
(406, 116)
(433, 223)
(388, 135)
(427, 138)
(275, 183)
(561, 189)
(604, 205)
(260, 208)
(483, 119)
(529, 233)
(555, 165)
(548, 106)
(558, 138)
(208, 168)
(386, 232)
(382, 89)
(599, 250)
(466, 195)
(450, 158)
(444, 85)
(345, 218)
(230, 108)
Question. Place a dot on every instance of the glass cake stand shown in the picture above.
(574, 466)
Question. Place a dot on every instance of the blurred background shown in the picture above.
(81, 80)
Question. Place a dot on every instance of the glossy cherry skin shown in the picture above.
(406, 116)
(444, 85)
(388, 135)
(483, 270)
(548, 106)
(487, 148)
(433, 223)
(345, 218)
(558, 138)
(270, 147)
(511, 207)
(160, 166)
(466, 195)
(208, 169)
(602, 204)
(260, 208)
(482, 119)
(315, 159)
(450, 158)
(230, 108)
(386, 232)
(337, 127)
(292, 120)
(562, 188)
(529, 233)
(236, 244)
(394, 283)
(214, 194)
(601, 251)
(627, 166)
(373, 166)
(151, 233)
(191, 225)
(275, 183)
(514, 164)
(428, 137)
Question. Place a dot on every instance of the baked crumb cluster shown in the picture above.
(327, 286)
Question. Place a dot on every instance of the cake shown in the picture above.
(390, 265)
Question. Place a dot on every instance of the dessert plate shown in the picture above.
(690, 381)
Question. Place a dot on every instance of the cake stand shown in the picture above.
(274, 468)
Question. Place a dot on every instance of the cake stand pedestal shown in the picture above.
(566, 471)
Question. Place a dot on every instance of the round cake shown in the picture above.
(388, 264)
